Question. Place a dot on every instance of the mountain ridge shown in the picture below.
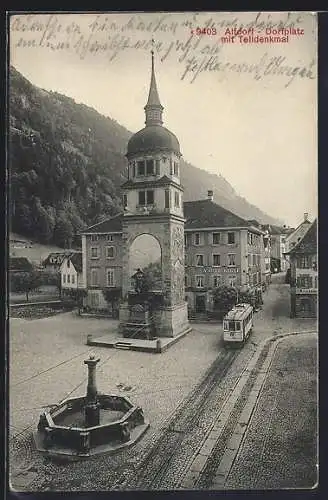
(67, 163)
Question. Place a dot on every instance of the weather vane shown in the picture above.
(152, 46)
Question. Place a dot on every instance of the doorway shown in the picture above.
(200, 304)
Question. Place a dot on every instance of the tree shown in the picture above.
(63, 232)
(224, 298)
(25, 282)
(78, 294)
(112, 296)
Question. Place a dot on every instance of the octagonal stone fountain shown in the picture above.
(91, 424)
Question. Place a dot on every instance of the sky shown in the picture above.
(243, 107)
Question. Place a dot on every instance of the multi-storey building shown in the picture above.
(304, 275)
(294, 236)
(221, 248)
(277, 237)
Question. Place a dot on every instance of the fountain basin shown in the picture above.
(62, 430)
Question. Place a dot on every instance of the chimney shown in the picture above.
(306, 217)
(210, 195)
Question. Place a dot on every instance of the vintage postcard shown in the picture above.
(163, 271)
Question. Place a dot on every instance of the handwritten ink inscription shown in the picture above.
(178, 37)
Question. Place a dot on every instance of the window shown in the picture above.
(303, 262)
(199, 260)
(109, 237)
(216, 259)
(134, 169)
(125, 200)
(110, 277)
(141, 167)
(150, 197)
(249, 260)
(232, 326)
(171, 167)
(254, 278)
(94, 253)
(64, 278)
(150, 167)
(304, 281)
(197, 239)
(199, 281)
(232, 281)
(231, 259)
(73, 279)
(176, 199)
(94, 237)
(68, 278)
(158, 167)
(94, 277)
(258, 260)
(142, 197)
(216, 281)
(185, 240)
(316, 282)
(216, 238)
(254, 260)
(68, 263)
(146, 197)
(186, 280)
(167, 198)
(110, 252)
(176, 169)
(231, 238)
(237, 325)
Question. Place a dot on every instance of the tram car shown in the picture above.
(237, 325)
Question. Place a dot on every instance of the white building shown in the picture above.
(71, 272)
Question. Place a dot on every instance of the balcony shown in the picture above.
(147, 209)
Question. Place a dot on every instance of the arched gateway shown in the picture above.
(154, 205)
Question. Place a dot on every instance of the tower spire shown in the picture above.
(153, 108)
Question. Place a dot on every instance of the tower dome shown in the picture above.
(153, 137)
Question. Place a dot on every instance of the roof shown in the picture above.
(293, 230)
(276, 229)
(153, 97)
(111, 225)
(238, 312)
(19, 264)
(309, 242)
(163, 181)
(151, 138)
(76, 260)
(198, 214)
(206, 213)
(56, 258)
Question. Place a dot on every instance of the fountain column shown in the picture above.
(92, 408)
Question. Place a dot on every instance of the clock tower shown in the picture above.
(153, 204)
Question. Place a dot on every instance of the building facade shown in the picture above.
(304, 275)
(71, 272)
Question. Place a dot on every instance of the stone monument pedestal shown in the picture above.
(171, 321)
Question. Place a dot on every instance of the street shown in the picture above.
(46, 365)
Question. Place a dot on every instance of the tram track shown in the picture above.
(182, 433)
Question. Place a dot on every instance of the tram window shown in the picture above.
(225, 325)
(232, 326)
(237, 325)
